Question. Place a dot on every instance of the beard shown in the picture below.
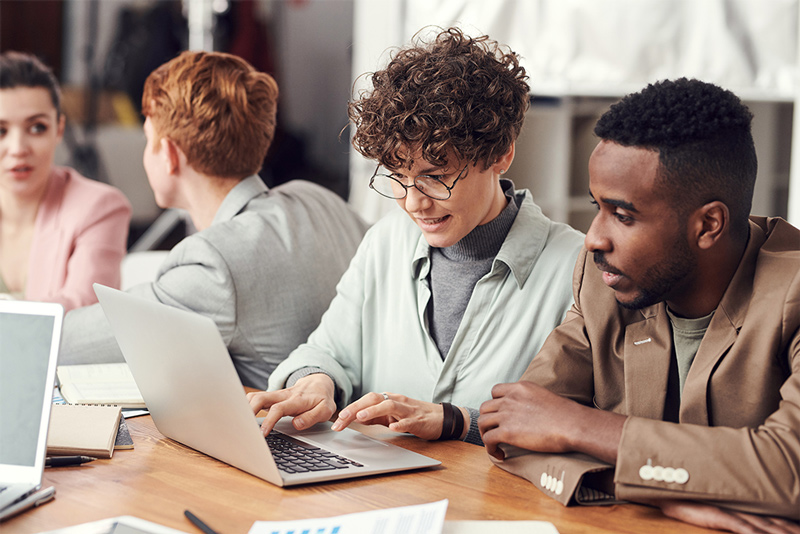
(659, 280)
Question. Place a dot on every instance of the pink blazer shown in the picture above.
(80, 237)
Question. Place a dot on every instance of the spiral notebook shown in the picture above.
(99, 383)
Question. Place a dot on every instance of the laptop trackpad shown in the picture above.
(322, 435)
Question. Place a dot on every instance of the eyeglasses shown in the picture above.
(390, 186)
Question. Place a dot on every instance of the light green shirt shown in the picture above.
(375, 337)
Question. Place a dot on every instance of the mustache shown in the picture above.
(603, 265)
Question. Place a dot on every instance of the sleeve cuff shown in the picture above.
(570, 478)
(473, 434)
(306, 371)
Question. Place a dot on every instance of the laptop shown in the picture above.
(30, 334)
(194, 395)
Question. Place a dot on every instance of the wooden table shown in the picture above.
(161, 478)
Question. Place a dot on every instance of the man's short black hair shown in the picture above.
(702, 135)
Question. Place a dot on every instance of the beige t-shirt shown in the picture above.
(687, 334)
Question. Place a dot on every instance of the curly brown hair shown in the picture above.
(456, 96)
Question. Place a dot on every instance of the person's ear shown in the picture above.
(61, 126)
(710, 222)
(504, 162)
(172, 155)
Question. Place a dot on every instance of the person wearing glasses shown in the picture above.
(458, 289)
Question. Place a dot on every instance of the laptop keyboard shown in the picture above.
(294, 456)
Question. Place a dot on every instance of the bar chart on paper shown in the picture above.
(419, 519)
(320, 530)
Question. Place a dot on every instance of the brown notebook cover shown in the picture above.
(83, 430)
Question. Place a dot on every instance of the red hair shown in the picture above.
(216, 108)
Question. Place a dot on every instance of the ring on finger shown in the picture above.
(385, 396)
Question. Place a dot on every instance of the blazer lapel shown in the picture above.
(716, 343)
(48, 235)
(647, 356)
(721, 333)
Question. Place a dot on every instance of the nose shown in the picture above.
(17, 142)
(597, 239)
(416, 201)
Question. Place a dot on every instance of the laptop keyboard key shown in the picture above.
(294, 456)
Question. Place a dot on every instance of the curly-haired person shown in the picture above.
(459, 288)
(675, 379)
(265, 261)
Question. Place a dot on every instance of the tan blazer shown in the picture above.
(738, 440)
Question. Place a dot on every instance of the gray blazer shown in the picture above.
(264, 271)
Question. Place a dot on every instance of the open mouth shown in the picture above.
(430, 221)
(611, 279)
(611, 276)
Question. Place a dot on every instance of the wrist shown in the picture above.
(596, 432)
(319, 380)
(453, 422)
(467, 420)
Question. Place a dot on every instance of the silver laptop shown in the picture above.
(191, 388)
(30, 334)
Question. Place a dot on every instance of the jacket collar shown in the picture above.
(648, 346)
(524, 243)
(722, 332)
(238, 197)
(50, 206)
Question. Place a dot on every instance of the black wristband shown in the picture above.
(447, 421)
(458, 425)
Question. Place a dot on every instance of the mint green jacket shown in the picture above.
(374, 336)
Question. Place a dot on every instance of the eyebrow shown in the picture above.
(618, 203)
(38, 116)
(429, 170)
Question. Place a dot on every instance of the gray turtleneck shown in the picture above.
(456, 269)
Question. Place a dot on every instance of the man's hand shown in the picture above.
(709, 516)
(311, 399)
(398, 412)
(531, 417)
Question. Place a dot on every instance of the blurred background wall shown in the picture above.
(582, 55)
(102, 51)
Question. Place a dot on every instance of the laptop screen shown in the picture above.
(29, 339)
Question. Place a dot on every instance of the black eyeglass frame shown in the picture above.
(407, 187)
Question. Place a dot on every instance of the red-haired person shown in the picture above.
(59, 231)
(265, 262)
(460, 286)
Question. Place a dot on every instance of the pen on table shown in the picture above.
(198, 523)
(63, 461)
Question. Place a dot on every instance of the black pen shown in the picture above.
(198, 523)
(63, 461)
